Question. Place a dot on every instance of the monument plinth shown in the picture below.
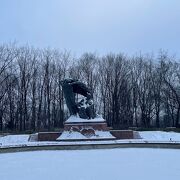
(76, 129)
(97, 123)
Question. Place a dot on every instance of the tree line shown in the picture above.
(137, 91)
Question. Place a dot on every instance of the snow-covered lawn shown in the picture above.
(160, 136)
(14, 139)
(147, 136)
(115, 164)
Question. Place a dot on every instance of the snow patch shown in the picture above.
(159, 136)
(69, 135)
(14, 139)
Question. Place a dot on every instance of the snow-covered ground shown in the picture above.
(116, 164)
(13, 139)
(147, 136)
(105, 164)
(159, 136)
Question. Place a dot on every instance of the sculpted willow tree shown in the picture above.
(83, 108)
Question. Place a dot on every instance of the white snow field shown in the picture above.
(160, 136)
(115, 164)
(13, 139)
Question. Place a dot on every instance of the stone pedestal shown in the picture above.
(78, 129)
(99, 126)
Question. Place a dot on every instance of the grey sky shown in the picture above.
(104, 26)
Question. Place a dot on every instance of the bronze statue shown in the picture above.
(84, 108)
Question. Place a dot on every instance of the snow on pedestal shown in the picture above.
(73, 135)
(76, 128)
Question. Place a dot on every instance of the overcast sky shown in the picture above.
(101, 26)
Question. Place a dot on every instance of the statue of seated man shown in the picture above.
(84, 108)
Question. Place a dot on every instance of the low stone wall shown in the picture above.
(52, 136)
(125, 134)
(90, 146)
(48, 136)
